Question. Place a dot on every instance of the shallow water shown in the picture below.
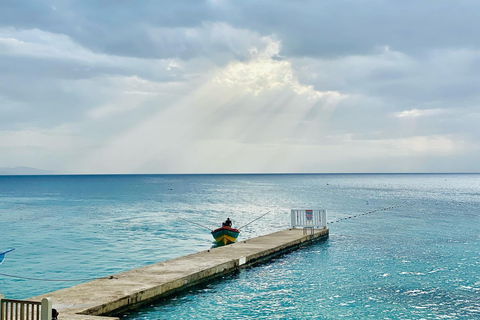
(417, 260)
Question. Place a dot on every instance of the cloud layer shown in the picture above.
(228, 86)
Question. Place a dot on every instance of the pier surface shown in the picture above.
(108, 296)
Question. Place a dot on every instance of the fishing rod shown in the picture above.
(255, 219)
(198, 224)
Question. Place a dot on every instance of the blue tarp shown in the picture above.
(2, 255)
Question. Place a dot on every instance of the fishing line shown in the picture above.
(369, 212)
(198, 224)
(254, 220)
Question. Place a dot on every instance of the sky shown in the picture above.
(273, 86)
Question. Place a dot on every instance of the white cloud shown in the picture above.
(355, 73)
(437, 145)
(128, 93)
(60, 49)
(344, 154)
(32, 137)
(215, 41)
(44, 45)
(419, 113)
(264, 73)
(172, 65)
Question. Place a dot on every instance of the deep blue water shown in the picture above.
(419, 260)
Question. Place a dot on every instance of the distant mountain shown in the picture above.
(24, 171)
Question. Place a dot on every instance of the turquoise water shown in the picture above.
(419, 260)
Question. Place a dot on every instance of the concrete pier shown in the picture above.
(102, 297)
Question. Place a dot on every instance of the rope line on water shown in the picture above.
(369, 212)
(58, 280)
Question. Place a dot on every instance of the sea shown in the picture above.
(401, 246)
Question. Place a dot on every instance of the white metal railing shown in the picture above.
(309, 218)
(11, 309)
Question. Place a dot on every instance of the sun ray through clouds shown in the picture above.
(240, 117)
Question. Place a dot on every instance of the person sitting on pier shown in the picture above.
(55, 314)
(227, 223)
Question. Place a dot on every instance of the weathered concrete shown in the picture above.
(91, 300)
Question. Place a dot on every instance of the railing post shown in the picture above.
(1, 306)
(22, 310)
(46, 309)
(324, 218)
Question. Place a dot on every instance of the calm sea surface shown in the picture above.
(420, 260)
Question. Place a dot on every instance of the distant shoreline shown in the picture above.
(5, 171)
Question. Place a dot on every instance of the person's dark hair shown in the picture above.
(54, 314)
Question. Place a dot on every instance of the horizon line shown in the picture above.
(231, 173)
